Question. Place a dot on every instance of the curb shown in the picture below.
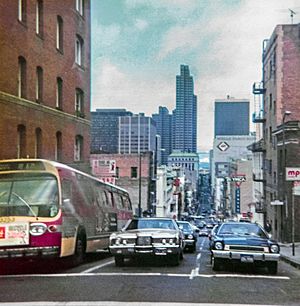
(291, 262)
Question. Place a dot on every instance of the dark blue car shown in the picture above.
(239, 242)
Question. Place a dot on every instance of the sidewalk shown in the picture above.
(286, 253)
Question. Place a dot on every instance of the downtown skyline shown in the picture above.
(137, 47)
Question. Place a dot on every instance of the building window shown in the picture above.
(38, 143)
(134, 173)
(59, 93)
(79, 103)
(79, 50)
(39, 85)
(78, 150)
(39, 18)
(58, 147)
(22, 10)
(22, 78)
(59, 33)
(80, 6)
(21, 142)
(117, 172)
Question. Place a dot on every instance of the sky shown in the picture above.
(139, 45)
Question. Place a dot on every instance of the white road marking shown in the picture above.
(98, 267)
(115, 303)
(146, 274)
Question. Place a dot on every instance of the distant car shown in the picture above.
(242, 242)
(204, 231)
(190, 235)
(148, 237)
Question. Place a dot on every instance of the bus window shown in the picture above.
(28, 195)
(108, 198)
(101, 196)
(127, 203)
(118, 201)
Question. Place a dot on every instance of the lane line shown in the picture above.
(98, 267)
(145, 274)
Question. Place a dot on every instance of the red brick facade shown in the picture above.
(19, 39)
(123, 175)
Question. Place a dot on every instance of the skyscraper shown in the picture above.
(231, 117)
(185, 120)
(105, 130)
(164, 128)
(137, 134)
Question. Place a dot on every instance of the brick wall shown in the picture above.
(20, 39)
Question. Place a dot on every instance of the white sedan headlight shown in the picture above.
(190, 236)
(219, 245)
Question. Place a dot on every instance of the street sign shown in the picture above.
(238, 178)
(276, 202)
(292, 174)
(223, 146)
(296, 188)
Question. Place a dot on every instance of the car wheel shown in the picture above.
(119, 260)
(174, 259)
(272, 267)
(216, 263)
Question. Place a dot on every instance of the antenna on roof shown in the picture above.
(292, 14)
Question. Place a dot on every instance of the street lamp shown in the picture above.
(286, 113)
(140, 185)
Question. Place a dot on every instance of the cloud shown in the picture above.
(116, 88)
(141, 24)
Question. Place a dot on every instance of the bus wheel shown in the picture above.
(79, 254)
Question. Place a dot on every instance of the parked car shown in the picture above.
(190, 235)
(241, 242)
(148, 237)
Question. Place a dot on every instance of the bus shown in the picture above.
(50, 209)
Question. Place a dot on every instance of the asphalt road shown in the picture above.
(99, 282)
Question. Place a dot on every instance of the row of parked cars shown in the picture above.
(230, 242)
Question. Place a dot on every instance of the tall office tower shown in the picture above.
(105, 130)
(185, 128)
(137, 134)
(164, 128)
(231, 117)
(45, 80)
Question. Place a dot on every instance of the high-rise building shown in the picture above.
(185, 120)
(137, 134)
(105, 130)
(45, 80)
(231, 117)
(164, 128)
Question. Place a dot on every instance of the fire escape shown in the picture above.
(258, 148)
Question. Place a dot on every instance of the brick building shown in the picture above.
(123, 170)
(45, 80)
(278, 114)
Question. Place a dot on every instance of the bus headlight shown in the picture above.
(37, 229)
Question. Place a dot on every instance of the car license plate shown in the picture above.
(160, 252)
(247, 258)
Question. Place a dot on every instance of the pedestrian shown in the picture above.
(268, 226)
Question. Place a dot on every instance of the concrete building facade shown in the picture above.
(105, 130)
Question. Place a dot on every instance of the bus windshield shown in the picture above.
(24, 194)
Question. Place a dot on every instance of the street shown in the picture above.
(193, 281)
